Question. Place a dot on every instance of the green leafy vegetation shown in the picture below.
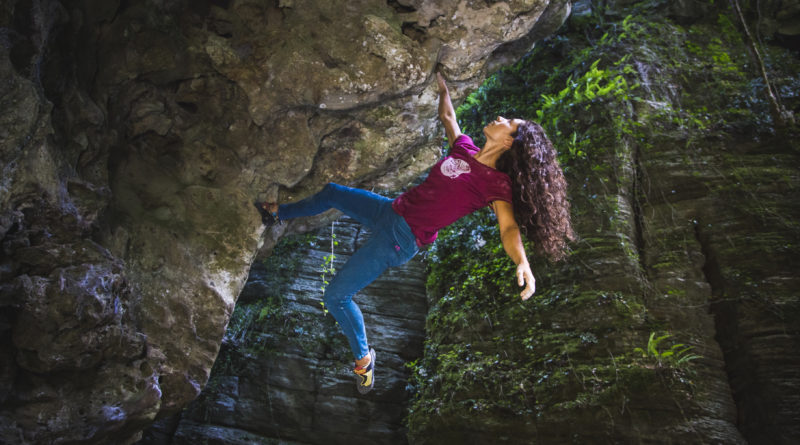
(676, 355)
(554, 92)
(609, 90)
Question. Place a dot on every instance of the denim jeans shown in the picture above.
(391, 244)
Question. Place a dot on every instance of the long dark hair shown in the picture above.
(539, 190)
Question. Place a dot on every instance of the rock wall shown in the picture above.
(682, 185)
(288, 375)
(136, 134)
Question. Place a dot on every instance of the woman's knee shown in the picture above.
(330, 187)
(333, 298)
(328, 190)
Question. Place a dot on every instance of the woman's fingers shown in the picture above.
(528, 292)
(440, 81)
(525, 278)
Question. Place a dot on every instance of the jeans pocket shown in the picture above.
(405, 243)
(402, 256)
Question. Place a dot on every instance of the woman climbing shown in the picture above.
(515, 173)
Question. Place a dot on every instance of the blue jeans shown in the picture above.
(391, 244)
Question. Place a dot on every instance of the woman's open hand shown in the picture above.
(525, 278)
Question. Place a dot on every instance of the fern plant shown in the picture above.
(677, 355)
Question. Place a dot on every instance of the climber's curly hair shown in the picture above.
(539, 190)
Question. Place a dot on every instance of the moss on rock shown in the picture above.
(674, 165)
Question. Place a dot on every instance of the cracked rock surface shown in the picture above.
(134, 138)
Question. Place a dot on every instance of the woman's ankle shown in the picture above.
(271, 207)
(363, 362)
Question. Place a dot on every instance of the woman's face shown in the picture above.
(501, 130)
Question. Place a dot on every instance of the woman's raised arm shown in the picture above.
(446, 112)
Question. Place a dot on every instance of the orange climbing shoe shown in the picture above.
(267, 218)
(365, 377)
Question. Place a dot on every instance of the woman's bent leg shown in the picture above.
(362, 205)
(366, 264)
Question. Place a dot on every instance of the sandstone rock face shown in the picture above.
(287, 375)
(135, 136)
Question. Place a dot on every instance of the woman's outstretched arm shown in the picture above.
(446, 112)
(512, 243)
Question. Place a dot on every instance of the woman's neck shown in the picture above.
(490, 153)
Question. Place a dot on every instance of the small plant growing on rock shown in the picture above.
(677, 355)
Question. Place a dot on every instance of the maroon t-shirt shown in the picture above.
(456, 186)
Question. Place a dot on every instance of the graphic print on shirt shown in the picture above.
(453, 168)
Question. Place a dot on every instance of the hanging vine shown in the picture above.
(782, 116)
(328, 268)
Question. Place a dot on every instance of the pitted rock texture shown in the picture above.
(288, 376)
(135, 136)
